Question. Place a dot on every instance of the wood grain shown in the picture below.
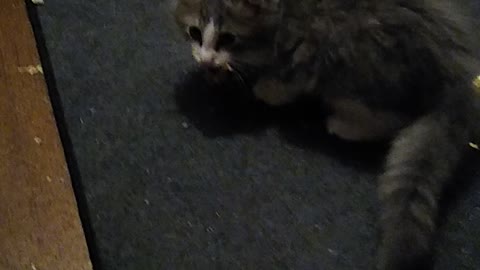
(39, 222)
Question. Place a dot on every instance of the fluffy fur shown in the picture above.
(388, 69)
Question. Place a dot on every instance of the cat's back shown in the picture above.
(388, 51)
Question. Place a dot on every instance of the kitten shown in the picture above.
(388, 69)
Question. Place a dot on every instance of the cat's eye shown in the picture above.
(225, 40)
(195, 34)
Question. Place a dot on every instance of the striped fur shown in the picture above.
(390, 69)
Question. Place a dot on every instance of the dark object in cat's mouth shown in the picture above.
(211, 68)
(219, 77)
(215, 76)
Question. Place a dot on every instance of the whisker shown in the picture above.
(246, 67)
(235, 70)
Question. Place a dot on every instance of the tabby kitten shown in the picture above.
(388, 69)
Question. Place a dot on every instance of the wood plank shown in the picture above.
(39, 223)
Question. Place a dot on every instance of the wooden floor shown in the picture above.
(39, 222)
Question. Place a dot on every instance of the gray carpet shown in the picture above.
(172, 175)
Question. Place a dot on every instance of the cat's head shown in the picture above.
(229, 35)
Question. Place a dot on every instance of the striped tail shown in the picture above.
(420, 163)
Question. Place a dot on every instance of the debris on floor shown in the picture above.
(474, 146)
(476, 83)
(32, 70)
(37, 140)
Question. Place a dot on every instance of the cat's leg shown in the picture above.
(298, 77)
(275, 92)
(418, 167)
(354, 121)
(280, 90)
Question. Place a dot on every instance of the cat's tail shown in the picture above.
(420, 163)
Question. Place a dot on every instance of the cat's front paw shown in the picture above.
(273, 92)
(345, 130)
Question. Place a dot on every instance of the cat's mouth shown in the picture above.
(219, 72)
(216, 68)
(216, 73)
(213, 68)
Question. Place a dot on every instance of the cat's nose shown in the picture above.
(207, 59)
